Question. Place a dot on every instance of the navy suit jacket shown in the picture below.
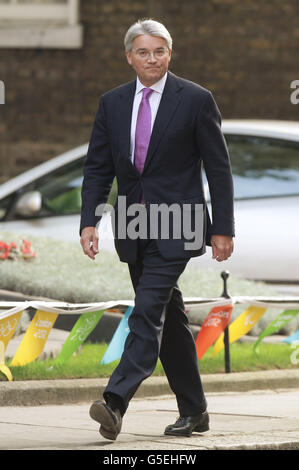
(186, 136)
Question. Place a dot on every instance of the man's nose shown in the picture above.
(151, 57)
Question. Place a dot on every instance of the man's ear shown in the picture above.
(128, 55)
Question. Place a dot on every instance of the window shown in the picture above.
(5, 204)
(40, 23)
(60, 191)
(263, 167)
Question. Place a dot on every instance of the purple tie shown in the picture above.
(143, 131)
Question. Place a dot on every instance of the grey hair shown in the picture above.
(147, 26)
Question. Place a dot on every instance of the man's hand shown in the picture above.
(222, 247)
(89, 241)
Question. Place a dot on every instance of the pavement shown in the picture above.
(248, 410)
(255, 420)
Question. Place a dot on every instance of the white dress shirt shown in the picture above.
(154, 101)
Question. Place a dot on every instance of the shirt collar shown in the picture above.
(158, 86)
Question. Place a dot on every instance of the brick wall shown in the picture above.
(245, 52)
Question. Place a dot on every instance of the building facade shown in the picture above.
(59, 56)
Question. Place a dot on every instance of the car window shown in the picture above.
(61, 189)
(263, 167)
(5, 204)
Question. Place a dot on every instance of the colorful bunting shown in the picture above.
(82, 328)
(244, 323)
(279, 322)
(216, 321)
(3, 368)
(35, 338)
(116, 345)
(8, 326)
(291, 339)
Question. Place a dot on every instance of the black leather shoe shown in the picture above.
(185, 426)
(110, 420)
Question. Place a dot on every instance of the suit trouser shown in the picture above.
(159, 327)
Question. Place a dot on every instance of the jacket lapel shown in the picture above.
(168, 105)
(124, 113)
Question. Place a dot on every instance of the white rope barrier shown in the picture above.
(81, 308)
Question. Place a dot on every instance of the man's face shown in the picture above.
(149, 58)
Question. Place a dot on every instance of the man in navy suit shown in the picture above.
(155, 134)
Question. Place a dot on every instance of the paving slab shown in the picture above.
(253, 420)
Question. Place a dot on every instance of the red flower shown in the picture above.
(4, 250)
(27, 250)
(3, 246)
(11, 250)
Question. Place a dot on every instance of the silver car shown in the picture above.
(265, 162)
